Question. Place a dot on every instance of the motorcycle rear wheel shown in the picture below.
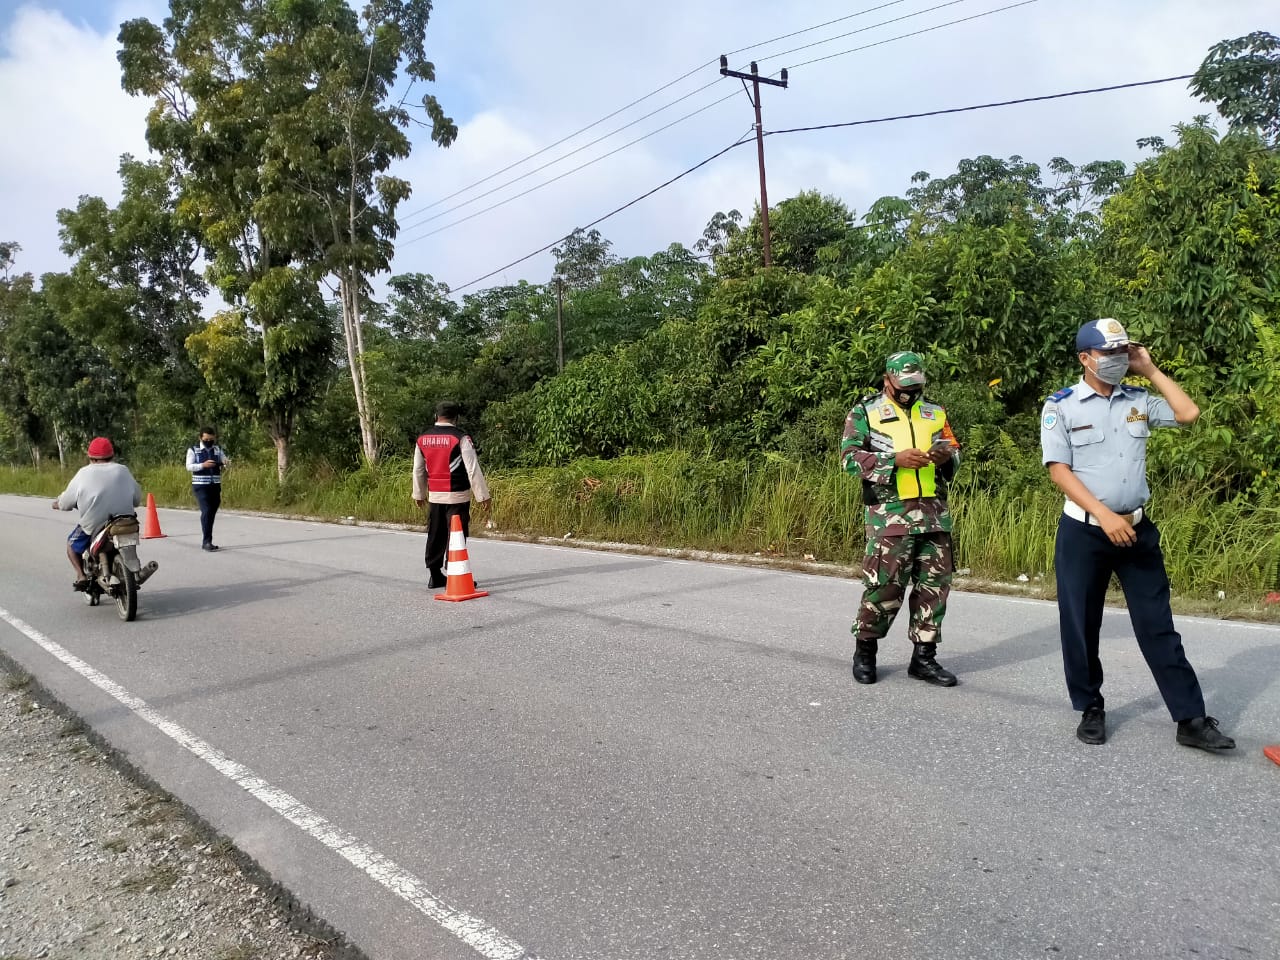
(127, 592)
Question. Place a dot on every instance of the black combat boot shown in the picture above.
(864, 661)
(923, 666)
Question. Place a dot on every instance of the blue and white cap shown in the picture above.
(1104, 334)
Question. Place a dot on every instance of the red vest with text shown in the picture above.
(441, 448)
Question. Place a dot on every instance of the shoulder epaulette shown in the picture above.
(1060, 395)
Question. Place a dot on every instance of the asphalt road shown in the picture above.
(616, 756)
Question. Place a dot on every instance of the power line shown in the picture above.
(914, 33)
(746, 139)
(796, 33)
(423, 222)
(981, 106)
(600, 220)
(841, 36)
(561, 176)
(565, 139)
(653, 93)
(552, 163)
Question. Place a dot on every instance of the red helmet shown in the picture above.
(100, 448)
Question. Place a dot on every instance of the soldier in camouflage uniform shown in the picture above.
(902, 448)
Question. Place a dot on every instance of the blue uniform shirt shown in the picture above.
(1104, 439)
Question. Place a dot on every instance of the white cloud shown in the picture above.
(66, 122)
(523, 77)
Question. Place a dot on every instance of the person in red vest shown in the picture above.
(446, 473)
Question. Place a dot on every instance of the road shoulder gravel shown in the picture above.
(96, 862)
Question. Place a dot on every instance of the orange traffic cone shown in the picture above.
(151, 529)
(1272, 752)
(460, 585)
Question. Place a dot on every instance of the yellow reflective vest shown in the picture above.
(894, 430)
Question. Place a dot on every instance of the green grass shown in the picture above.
(767, 505)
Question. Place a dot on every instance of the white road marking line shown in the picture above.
(474, 932)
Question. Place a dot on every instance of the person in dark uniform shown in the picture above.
(446, 473)
(206, 463)
(1094, 441)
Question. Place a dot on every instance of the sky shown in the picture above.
(517, 77)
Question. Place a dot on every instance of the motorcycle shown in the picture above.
(112, 567)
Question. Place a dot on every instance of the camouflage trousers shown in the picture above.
(890, 564)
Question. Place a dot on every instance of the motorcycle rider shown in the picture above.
(101, 490)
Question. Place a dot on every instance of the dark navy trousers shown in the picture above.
(1085, 560)
(209, 496)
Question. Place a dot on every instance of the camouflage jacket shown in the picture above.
(885, 513)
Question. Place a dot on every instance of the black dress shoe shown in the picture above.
(1093, 726)
(1203, 732)
(209, 547)
(924, 667)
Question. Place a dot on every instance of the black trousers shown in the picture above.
(438, 519)
(1085, 560)
(209, 496)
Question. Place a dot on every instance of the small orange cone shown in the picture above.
(1272, 753)
(460, 585)
(151, 529)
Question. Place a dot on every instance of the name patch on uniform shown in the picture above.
(880, 443)
(1134, 416)
(1049, 420)
(1087, 426)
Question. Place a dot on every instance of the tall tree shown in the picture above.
(328, 164)
(582, 257)
(277, 117)
(1241, 77)
(1189, 247)
(720, 229)
(989, 192)
(799, 228)
(419, 306)
(53, 384)
(134, 290)
(22, 427)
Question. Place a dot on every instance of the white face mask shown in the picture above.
(1111, 369)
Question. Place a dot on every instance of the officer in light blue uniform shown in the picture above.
(1094, 441)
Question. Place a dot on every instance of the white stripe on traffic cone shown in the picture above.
(459, 585)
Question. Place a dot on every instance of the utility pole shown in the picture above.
(756, 80)
(560, 323)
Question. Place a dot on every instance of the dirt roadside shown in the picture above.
(96, 864)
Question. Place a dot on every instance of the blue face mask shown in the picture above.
(1111, 369)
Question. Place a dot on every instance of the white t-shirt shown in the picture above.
(100, 491)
